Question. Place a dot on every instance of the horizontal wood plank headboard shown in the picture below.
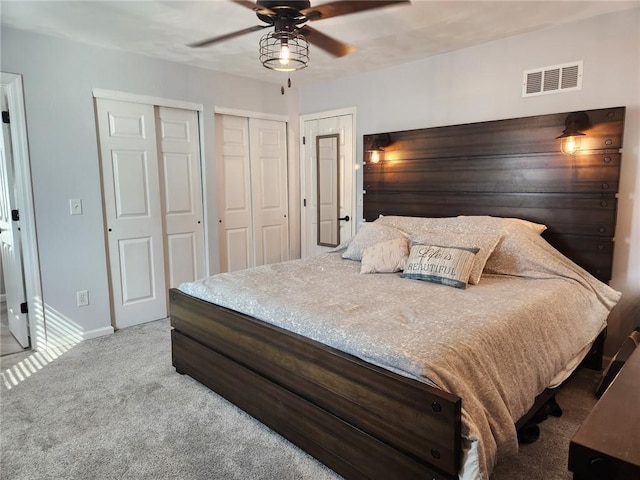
(508, 168)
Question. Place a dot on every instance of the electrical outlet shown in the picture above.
(83, 298)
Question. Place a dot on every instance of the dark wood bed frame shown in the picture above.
(358, 419)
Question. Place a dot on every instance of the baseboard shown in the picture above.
(66, 341)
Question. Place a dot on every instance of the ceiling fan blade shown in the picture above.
(227, 36)
(255, 6)
(326, 43)
(345, 7)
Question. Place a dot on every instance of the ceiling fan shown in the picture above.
(286, 49)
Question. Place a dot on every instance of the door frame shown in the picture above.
(24, 196)
(303, 164)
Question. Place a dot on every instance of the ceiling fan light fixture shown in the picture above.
(284, 51)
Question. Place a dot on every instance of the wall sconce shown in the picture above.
(571, 136)
(378, 144)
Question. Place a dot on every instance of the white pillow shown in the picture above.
(461, 223)
(368, 235)
(385, 257)
(536, 227)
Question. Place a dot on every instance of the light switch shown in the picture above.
(75, 205)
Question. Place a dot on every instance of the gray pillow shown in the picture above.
(445, 265)
(484, 243)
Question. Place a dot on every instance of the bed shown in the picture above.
(354, 410)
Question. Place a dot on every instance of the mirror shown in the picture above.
(328, 201)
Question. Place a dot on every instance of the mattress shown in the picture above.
(497, 344)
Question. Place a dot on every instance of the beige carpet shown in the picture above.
(114, 408)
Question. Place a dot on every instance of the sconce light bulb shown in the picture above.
(375, 156)
(571, 145)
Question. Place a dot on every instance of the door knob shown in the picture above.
(346, 218)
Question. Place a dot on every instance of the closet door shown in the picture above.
(252, 192)
(181, 194)
(235, 230)
(132, 210)
(268, 146)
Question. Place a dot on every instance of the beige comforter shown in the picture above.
(496, 344)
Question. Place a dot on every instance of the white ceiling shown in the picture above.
(383, 37)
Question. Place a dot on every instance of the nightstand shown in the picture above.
(607, 444)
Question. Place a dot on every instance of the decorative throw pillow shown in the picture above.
(368, 235)
(446, 265)
(385, 257)
(484, 243)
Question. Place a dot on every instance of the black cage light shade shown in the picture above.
(284, 51)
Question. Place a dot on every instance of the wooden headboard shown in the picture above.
(508, 168)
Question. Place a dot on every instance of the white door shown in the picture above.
(253, 226)
(180, 177)
(343, 125)
(132, 211)
(268, 147)
(235, 230)
(10, 239)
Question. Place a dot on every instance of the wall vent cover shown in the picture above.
(554, 79)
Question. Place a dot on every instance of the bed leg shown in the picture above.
(554, 408)
(593, 360)
(530, 431)
(177, 367)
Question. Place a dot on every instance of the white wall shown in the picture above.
(59, 76)
(484, 83)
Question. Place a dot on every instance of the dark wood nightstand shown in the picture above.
(607, 444)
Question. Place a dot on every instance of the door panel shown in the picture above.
(133, 211)
(182, 194)
(10, 240)
(268, 145)
(136, 267)
(131, 183)
(182, 246)
(234, 193)
(273, 236)
(239, 256)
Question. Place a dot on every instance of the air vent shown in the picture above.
(553, 79)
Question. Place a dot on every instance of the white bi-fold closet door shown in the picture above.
(153, 205)
(252, 191)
